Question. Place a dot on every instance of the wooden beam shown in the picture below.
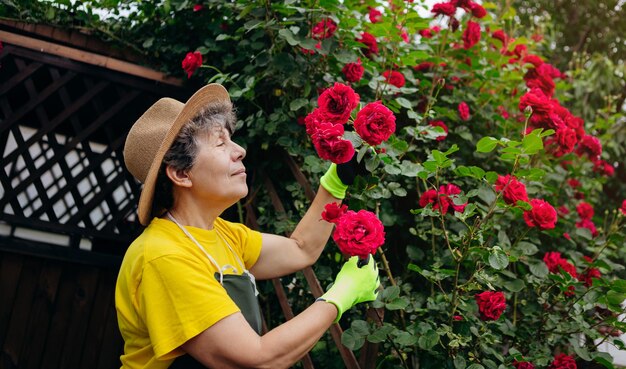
(87, 57)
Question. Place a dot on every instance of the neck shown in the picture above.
(194, 215)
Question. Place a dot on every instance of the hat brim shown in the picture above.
(196, 103)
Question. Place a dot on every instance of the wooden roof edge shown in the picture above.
(88, 57)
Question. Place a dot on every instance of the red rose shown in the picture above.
(533, 59)
(324, 29)
(424, 66)
(439, 123)
(477, 10)
(333, 211)
(440, 202)
(359, 233)
(523, 365)
(394, 78)
(541, 107)
(375, 123)
(426, 33)
(329, 144)
(589, 274)
(563, 361)
(464, 111)
(500, 35)
(457, 318)
(502, 111)
(577, 124)
(192, 61)
(197, 7)
(311, 121)
(451, 191)
(336, 103)
(585, 210)
(542, 215)
(403, 33)
(490, 304)
(370, 41)
(471, 35)
(375, 15)
(623, 208)
(444, 9)
(353, 71)
(604, 168)
(520, 51)
(591, 146)
(587, 223)
(555, 262)
(573, 182)
(562, 210)
(565, 140)
(513, 190)
(541, 77)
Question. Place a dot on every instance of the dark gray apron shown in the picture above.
(240, 288)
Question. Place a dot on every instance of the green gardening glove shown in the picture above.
(339, 176)
(332, 183)
(353, 285)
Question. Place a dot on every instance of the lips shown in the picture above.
(240, 171)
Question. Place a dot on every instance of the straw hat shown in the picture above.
(153, 134)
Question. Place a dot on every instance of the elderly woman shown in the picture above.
(186, 293)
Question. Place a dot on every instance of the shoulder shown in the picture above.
(161, 238)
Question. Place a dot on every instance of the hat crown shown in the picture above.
(147, 135)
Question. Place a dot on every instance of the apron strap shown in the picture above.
(213, 261)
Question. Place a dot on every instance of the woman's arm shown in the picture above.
(231, 342)
(281, 255)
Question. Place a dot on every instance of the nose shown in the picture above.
(239, 151)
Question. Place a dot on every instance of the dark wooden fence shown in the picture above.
(57, 311)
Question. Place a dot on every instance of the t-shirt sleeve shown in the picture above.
(184, 300)
(246, 241)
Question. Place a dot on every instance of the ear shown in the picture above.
(178, 177)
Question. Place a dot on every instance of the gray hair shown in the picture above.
(182, 154)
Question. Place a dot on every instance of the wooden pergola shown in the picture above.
(67, 203)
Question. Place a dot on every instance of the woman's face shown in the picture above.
(218, 175)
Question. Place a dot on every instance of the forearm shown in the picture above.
(290, 341)
(312, 233)
(280, 348)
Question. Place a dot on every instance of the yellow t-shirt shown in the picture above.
(166, 291)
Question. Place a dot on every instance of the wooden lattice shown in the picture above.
(62, 130)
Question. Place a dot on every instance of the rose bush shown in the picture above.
(476, 187)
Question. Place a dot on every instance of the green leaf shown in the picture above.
(404, 102)
(352, 340)
(580, 351)
(288, 36)
(428, 340)
(475, 366)
(527, 248)
(459, 362)
(538, 269)
(615, 298)
(486, 144)
(398, 304)
(515, 285)
(619, 285)
(498, 260)
(297, 104)
(405, 339)
(380, 334)
(344, 56)
(532, 143)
